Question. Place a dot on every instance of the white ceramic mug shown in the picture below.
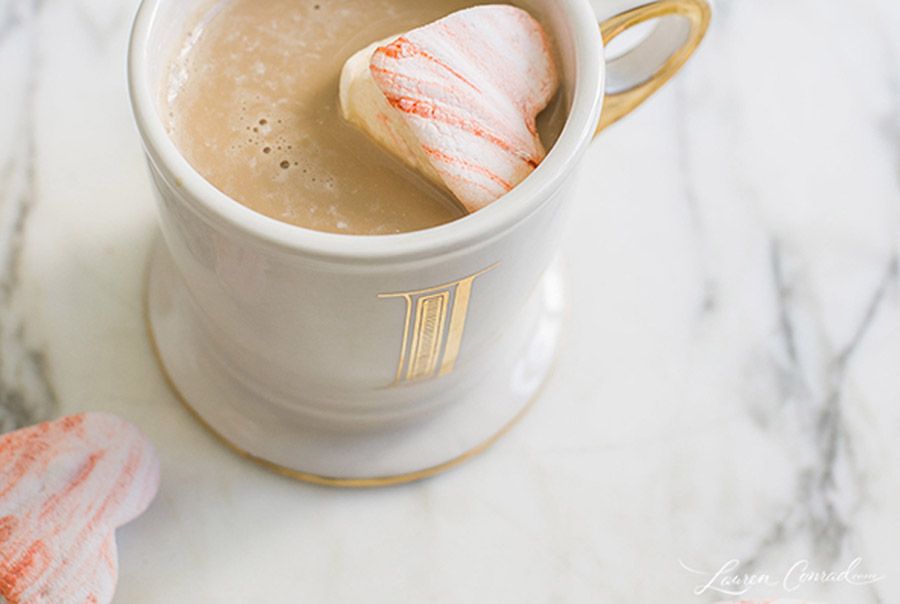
(369, 360)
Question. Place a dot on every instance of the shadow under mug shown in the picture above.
(373, 360)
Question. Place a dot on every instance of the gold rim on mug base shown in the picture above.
(330, 481)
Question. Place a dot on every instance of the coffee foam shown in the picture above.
(278, 62)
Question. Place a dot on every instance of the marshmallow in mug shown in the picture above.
(458, 99)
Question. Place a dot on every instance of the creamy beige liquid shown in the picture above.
(252, 103)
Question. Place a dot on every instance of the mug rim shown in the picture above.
(478, 228)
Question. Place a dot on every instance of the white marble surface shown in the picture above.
(729, 383)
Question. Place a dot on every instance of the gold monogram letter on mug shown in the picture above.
(333, 297)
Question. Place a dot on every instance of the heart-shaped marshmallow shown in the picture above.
(458, 99)
(65, 486)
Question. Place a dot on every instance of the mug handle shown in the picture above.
(638, 87)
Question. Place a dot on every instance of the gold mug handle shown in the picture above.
(697, 14)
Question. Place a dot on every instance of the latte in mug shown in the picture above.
(252, 103)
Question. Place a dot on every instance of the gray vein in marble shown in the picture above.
(830, 488)
(782, 291)
(9, 19)
(16, 13)
(99, 32)
(26, 390)
(691, 196)
(877, 299)
(832, 433)
(889, 124)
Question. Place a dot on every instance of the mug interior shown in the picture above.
(160, 31)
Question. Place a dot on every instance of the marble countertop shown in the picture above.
(726, 401)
